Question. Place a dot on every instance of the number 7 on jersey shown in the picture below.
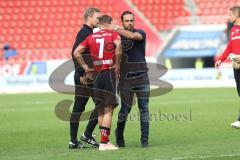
(101, 42)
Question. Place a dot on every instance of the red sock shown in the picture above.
(105, 132)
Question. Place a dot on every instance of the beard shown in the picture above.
(129, 28)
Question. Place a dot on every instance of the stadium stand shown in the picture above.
(46, 29)
(163, 13)
(214, 15)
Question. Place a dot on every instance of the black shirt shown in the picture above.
(135, 52)
(84, 32)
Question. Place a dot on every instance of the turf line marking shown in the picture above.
(206, 157)
(195, 101)
(27, 103)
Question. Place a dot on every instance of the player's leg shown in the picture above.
(109, 98)
(105, 130)
(100, 118)
(106, 123)
(97, 97)
(107, 118)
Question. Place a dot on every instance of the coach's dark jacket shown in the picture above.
(84, 32)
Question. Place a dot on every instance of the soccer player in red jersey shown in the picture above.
(233, 50)
(105, 49)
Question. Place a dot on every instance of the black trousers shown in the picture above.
(140, 86)
(78, 108)
(237, 79)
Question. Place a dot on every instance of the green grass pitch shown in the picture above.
(29, 129)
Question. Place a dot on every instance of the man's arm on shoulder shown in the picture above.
(131, 35)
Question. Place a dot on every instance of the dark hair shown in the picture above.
(236, 10)
(125, 13)
(89, 12)
(105, 19)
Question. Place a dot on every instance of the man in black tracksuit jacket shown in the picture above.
(91, 19)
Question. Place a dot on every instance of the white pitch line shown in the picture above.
(206, 157)
(28, 102)
(197, 101)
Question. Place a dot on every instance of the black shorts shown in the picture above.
(105, 93)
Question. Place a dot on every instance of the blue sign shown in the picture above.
(194, 44)
(37, 68)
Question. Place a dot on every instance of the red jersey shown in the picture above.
(101, 48)
(233, 44)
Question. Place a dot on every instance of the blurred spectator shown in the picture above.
(8, 52)
(1, 50)
(199, 63)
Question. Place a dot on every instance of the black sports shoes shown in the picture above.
(121, 143)
(89, 141)
(75, 145)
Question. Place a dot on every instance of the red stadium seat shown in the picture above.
(158, 10)
(206, 9)
(52, 24)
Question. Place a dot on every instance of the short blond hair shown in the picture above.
(235, 10)
(89, 12)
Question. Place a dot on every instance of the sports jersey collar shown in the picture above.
(88, 27)
(237, 24)
(104, 30)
